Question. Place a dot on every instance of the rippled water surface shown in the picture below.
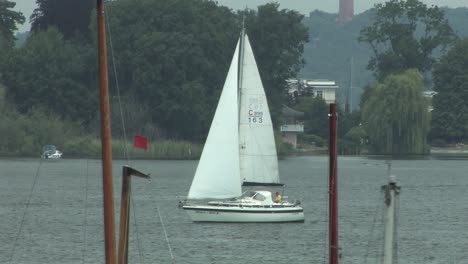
(51, 212)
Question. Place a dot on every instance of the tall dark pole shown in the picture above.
(108, 200)
(333, 194)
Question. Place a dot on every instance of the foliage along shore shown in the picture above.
(171, 69)
(160, 150)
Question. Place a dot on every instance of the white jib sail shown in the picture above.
(217, 174)
(258, 159)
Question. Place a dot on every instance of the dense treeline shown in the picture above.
(450, 115)
(71, 17)
(403, 37)
(397, 36)
(168, 63)
(54, 74)
(170, 59)
(335, 53)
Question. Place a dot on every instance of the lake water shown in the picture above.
(51, 212)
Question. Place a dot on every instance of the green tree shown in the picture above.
(450, 115)
(170, 58)
(353, 142)
(315, 116)
(50, 73)
(8, 21)
(396, 117)
(71, 17)
(404, 35)
(173, 56)
(347, 121)
(277, 38)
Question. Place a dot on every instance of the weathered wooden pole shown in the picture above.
(107, 184)
(124, 230)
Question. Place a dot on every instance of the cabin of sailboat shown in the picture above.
(240, 151)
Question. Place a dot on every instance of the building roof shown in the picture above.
(287, 111)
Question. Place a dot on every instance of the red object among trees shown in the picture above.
(140, 142)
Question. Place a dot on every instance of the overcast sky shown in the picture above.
(303, 6)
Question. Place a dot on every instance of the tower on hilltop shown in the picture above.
(346, 11)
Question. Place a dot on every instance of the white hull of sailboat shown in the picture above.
(242, 214)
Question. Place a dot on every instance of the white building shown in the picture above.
(325, 89)
(291, 125)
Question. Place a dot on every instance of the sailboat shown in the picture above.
(51, 152)
(240, 153)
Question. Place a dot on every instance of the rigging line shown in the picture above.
(114, 67)
(165, 234)
(327, 219)
(85, 224)
(25, 211)
(366, 256)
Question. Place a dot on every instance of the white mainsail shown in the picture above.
(258, 159)
(217, 174)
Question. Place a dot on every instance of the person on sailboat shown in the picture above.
(277, 198)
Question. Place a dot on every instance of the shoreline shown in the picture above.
(434, 152)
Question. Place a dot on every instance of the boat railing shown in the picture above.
(231, 205)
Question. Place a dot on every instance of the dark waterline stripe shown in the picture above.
(244, 211)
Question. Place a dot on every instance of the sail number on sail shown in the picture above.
(255, 111)
(255, 116)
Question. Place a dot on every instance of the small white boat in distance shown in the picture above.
(240, 152)
(51, 152)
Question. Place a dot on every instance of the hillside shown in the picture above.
(332, 48)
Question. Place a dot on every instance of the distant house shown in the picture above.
(429, 95)
(291, 125)
(325, 89)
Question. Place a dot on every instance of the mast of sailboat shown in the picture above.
(333, 194)
(241, 60)
(391, 193)
(108, 200)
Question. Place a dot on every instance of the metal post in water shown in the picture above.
(391, 191)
